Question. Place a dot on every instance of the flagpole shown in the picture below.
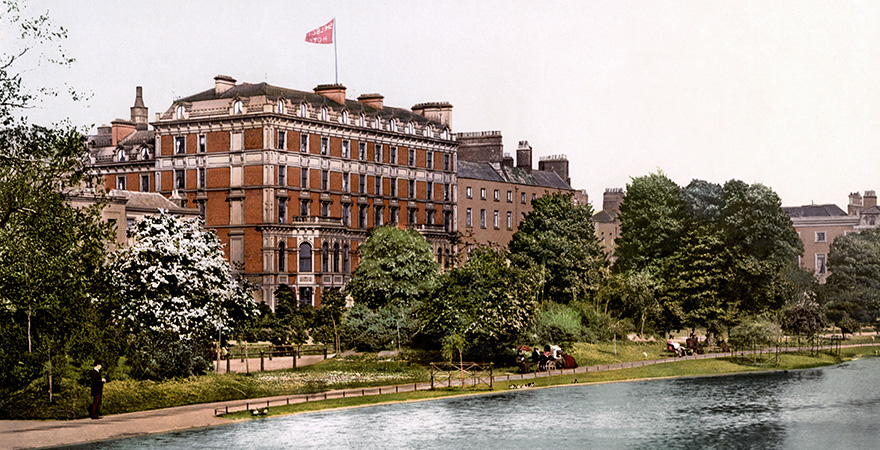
(335, 57)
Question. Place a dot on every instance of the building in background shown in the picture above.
(819, 225)
(291, 181)
(494, 195)
(606, 223)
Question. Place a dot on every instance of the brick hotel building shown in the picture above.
(290, 180)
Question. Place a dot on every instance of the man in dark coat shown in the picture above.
(97, 383)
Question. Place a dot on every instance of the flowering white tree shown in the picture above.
(173, 279)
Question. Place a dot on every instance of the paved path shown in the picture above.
(33, 434)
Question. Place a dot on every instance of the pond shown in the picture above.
(834, 407)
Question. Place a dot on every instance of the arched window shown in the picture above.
(237, 107)
(305, 257)
(336, 258)
(346, 259)
(120, 155)
(280, 106)
(145, 153)
(180, 112)
(324, 113)
(392, 125)
(282, 256)
(378, 123)
(325, 258)
(345, 117)
(303, 110)
(428, 131)
(410, 128)
(362, 120)
(445, 134)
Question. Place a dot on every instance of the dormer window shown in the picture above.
(428, 131)
(237, 107)
(392, 125)
(445, 134)
(345, 117)
(324, 113)
(280, 106)
(378, 123)
(145, 154)
(410, 128)
(180, 112)
(120, 155)
(303, 110)
(362, 121)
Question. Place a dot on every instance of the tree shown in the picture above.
(802, 318)
(853, 287)
(486, 302)
(557, 240)
(396, 267)
(174, 285)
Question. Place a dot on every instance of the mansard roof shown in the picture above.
(274, 92)
(814, 211)
(485, 171)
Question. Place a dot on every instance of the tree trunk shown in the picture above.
(30, 342)
(50, 372)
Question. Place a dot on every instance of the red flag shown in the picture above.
(322, 35)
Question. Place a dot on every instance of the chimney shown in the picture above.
(139, 111)
(855, 204)
(372, 100)
(223, 83)
(557, 164)
(524, 156)
(335, 92)
(870, 199)
(507, 160)
(120, 130)
(440, 112)
(612, 199)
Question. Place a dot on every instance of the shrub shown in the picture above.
(754, 332)
(558, 324)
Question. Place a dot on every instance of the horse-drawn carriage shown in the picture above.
(552, 357)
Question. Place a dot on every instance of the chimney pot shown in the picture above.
(223, 83)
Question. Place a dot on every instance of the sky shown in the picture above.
(783, 93)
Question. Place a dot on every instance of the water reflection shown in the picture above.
(817, 409)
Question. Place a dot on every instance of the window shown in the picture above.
(346, 215)
(445, 162)
(145, 183)
(392, 191)
(336, 257)
(344, 182)
(429, 160)
(324, 113)
(429, 132)
(325, 146)
(534, 196)
(469, 192)
(378, 189)
(411, 159)
(429, 190)
(509, 196)
(180, 179)
(377, 153)
(412, 188)
(377, 123)
(120, 182)
(362, 151)
(180, 145)
(306, 294)
(362, 121)
(325, 209)
(820, 264)
(282, 175)
(305, 257)
(325, 258)
(509, 220)
(303, 110)
(482, 218)
(346, 145)
(282, 256)
(394, 217)
(412, 218)
(362, 184)
(820, 236)
(392, 125)
(145, 154)
(237, 107)
(429, 217)
(304, 178)
(377, 216)
(202, 208)
(362, 219)
(410, 128)
(325, 177)
(468, 218)
(180, 112)
(495, 221)
(282, 140)
(304, 208)
(282, 210)
(203, 143)
(482, 193)
(304, 143)
(445, 192)
(392, 155)
(201, 179)
(346, 258)
(345, 117)
(522, 198)
(120, 155)
(496, 195)
(280, 106)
